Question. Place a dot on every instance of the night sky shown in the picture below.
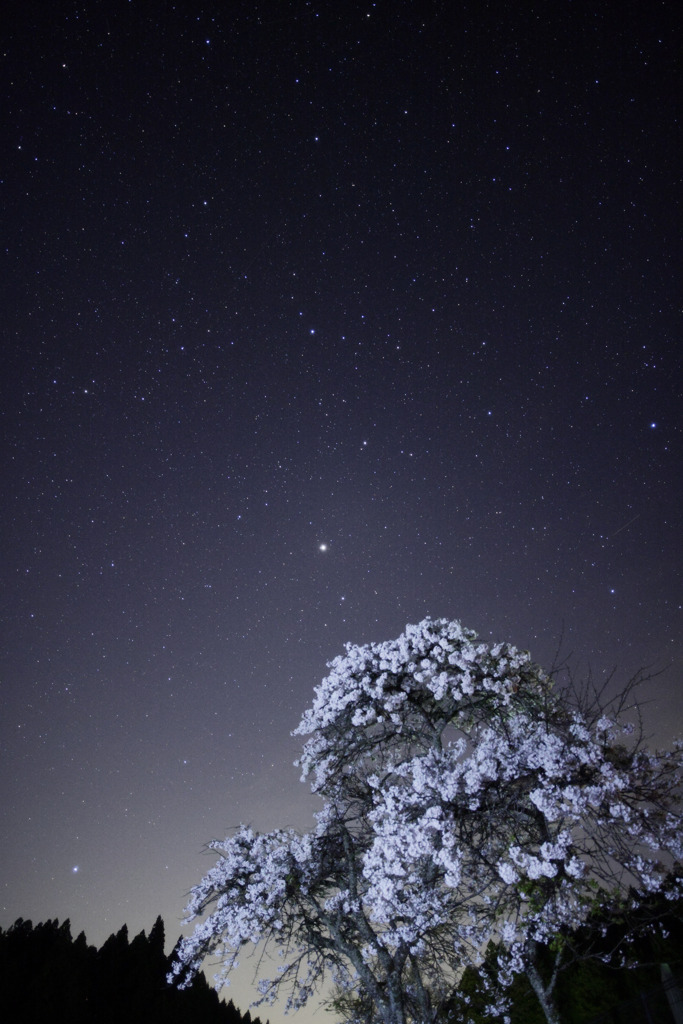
(317, 318)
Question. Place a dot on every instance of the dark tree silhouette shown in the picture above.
(47, 977)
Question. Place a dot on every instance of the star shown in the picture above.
(219, 420)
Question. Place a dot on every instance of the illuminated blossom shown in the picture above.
(466, 801)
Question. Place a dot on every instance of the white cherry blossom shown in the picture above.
(466, 801)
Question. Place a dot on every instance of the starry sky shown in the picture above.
(317, 318)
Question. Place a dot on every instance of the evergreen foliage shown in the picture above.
(593, 988)
(48, 977)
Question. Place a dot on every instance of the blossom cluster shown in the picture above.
(465, 801)
(391, 690)
(247, 890)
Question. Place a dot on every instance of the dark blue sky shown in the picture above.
(397, 278)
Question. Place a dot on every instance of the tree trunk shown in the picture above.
(396, 1013)
(673, 993)
(544, 995)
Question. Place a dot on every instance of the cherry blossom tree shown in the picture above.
(469, 804)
